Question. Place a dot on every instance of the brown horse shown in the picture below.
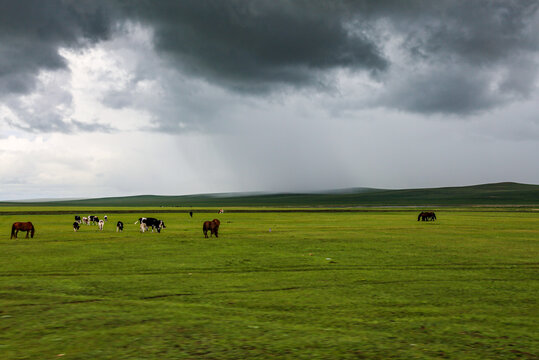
(212, 226)
(22, 226)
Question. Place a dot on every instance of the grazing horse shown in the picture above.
(426, 216)
(22, 226)
(76, 226)
(119, 226)
(212, 226)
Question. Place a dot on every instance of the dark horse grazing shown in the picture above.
(22, 226)
(212, 226)
(426, 216)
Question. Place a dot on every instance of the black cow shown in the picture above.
(76, 226)
(119, 226)
(153, 223)
(93, 219)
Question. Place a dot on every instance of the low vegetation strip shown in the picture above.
(52, 211)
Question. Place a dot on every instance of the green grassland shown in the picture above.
(297, 285)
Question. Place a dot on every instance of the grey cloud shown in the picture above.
(483, 33)
(455, 90)
(264, 46)
(32, 31)
(76, 126)
(479, 54)
(464, 56)
(48, 111)
(246, 46)
(53, 123)
(254, 46)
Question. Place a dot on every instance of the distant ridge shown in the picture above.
(505, 193)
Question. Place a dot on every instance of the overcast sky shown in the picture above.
(113, 98)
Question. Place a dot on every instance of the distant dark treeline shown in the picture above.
(489, 194)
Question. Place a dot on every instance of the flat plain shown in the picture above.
(372, 284)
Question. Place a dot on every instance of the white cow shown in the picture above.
(101, 224)
(143, 227)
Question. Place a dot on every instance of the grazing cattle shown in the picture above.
(22, 226)
(77, 218)
(143, 227)
(220, 211)
(101, 224)
(119, 226)
(76, 226)
(212, 226)
(93, 219)
(426, 216)
(190, 213)
(85, 221)
(153, 223)
(106, 218)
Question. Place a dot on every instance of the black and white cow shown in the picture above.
(77, 218)
(93, 219)
(76, 226)
(119, 226)
(153, 223)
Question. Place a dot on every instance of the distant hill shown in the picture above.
(506, 193)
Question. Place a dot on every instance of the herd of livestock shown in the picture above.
(155, 224)
(146, 223)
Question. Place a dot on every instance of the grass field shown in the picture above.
(358, 285)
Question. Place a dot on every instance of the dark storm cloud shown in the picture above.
(478, 32)
(451, 91)
(254, 45)
(469, 55)
(32, 31)
(465, 56)
(462, 57)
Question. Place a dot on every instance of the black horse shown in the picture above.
(426, 216)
